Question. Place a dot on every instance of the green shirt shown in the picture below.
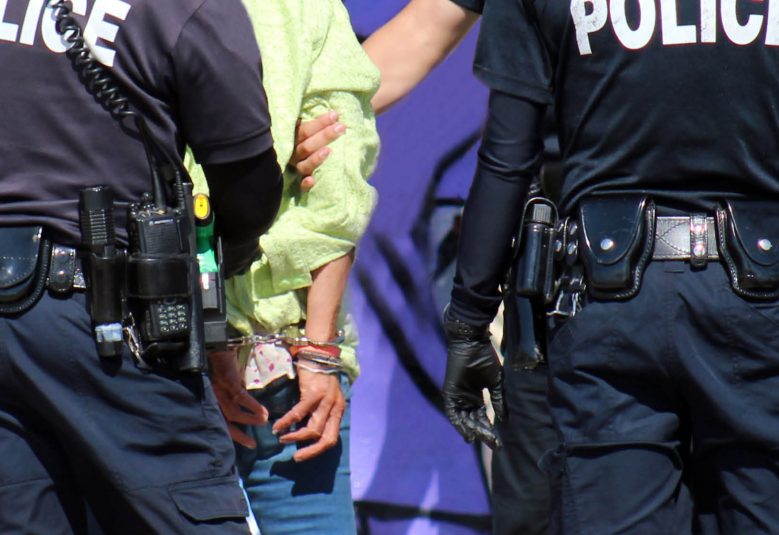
(312, 63)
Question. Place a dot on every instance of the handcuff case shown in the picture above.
(748, 236)
(616, 237)
(24, 257)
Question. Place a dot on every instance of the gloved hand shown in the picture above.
(471, 366)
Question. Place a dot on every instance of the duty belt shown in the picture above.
(65, 272)
(692, 238)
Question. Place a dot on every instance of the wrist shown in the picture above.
(455, 328)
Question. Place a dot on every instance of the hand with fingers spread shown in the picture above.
(237, 405)
(322, 402)
(471, 366)
(311, 145)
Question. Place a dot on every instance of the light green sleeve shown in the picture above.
(326, 223)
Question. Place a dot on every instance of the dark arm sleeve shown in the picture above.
(509, 158)
(222, 107)
(245, 196)
(477, 6)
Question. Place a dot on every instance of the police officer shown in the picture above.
(664, 376)
(147, 450)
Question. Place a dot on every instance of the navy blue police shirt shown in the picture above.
(190, 67)
(675, 98)
(476, 6)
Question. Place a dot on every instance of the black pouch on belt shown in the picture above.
(616, 237)
(24, 266)
(748, 236)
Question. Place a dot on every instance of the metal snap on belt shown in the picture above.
(607, 244)
(765, 244)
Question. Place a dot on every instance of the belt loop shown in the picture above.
(699, 240)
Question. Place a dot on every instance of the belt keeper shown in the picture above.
(699, 240)
(62, 270)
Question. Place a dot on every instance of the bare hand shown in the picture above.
(322, 401)
(237, 405)
(311, 145)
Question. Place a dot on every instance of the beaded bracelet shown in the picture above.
(316, 368)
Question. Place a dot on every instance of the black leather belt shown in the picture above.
(65, 272)
(692, 238)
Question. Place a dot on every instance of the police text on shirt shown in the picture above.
(96, 28)
(591, 16)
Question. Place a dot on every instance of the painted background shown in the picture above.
(412, 474)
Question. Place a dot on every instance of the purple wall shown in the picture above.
(412, 474)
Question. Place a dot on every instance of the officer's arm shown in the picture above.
(410, 45)
(245, 196)
(405, 50)
(509, 157)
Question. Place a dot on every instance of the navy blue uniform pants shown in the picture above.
(147, 452)
(520, 489)
(667, 406)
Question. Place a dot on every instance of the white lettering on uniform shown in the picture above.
(54, 41)
(630, 38)
(708, 21)
(98, 28)
(586, 24)
(740, 35)
(772, 24)
(8, 30)
(673, 34)
(30, 24)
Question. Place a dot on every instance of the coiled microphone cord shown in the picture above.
(98, 80)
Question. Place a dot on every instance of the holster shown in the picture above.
(24, 267)
(748, 240)
(616, 238)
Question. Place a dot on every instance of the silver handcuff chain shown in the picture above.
(282, 339)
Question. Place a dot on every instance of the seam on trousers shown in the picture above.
(25, 482)
(732, 345)
(574, 513)
(611, 360)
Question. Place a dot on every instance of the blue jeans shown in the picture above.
(308, 498)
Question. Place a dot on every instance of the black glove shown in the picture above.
(239, 256)
(471, 366)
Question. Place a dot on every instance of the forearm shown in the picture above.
(324, 298)
(245, 197)
(509, 158)
(410, 45)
